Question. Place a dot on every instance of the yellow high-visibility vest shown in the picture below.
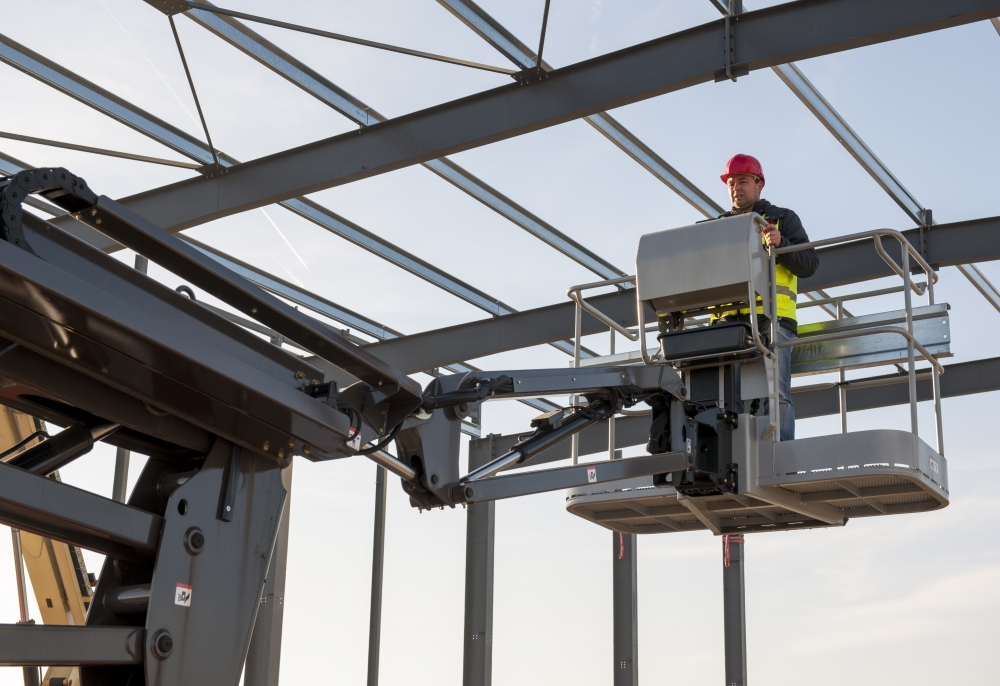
(787, 289)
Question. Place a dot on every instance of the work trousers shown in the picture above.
(787, 409)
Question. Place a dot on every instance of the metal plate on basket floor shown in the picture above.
(897, 474)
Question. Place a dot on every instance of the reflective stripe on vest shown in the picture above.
(787, 290)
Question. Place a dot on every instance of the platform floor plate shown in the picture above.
(636, 506)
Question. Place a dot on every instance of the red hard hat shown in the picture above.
(743, 164)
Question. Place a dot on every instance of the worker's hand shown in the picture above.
(772, 236)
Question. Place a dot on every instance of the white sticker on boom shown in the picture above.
(183, 595)
(934, 465)
(591, 475)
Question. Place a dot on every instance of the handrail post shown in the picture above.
(577, 333)
(935, 381)
(908, 300)
(611, 420)
(773, 312)
(842, 388)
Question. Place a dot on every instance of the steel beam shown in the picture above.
(490, 30)
(841, 130)
(325, 307)
(765, 38)
(55, 645)
(439, 347)
(45, 70)
(977, 240)
(56, 510)
(963, 378)
(296, 72)
(982, 284)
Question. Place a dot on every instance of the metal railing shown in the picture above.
(901, 269)
(576, 295)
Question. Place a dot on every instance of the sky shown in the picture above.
(906, 599)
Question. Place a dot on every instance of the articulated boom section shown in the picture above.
(429, 444)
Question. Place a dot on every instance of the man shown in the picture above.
(745, 178)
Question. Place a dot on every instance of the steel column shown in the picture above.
(735, 619)
(378, 560)
(626, 609)
(263, 662)
(477, 660)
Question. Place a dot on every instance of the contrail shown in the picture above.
(287, 242)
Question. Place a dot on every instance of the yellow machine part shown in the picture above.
(57, 571)
(59, 579)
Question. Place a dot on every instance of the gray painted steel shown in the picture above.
(115, 307)
(841, 130)
(630, 144)
(419, 352)
(56, 510)
(734, 613)
(283, 64)
(628, 431)
(238, 545)
(699, 265)
(66, 81)
(378, 561)
(488, 28)
(33, 64)
(963, 378)
(807, 483)
(187, 262)
(540, 481)
(53, 645)
(977, 240)
(764, 38)
(480, 526)
(263, 663)
(625, 609)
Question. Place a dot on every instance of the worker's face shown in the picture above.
(744, 191)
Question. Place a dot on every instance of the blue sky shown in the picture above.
(891, 600)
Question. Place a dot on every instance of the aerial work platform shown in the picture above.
(756, 482)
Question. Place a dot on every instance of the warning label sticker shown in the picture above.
(591, 475)
(183, 595)
(934, 465)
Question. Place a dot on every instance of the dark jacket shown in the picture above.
(803, 263)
